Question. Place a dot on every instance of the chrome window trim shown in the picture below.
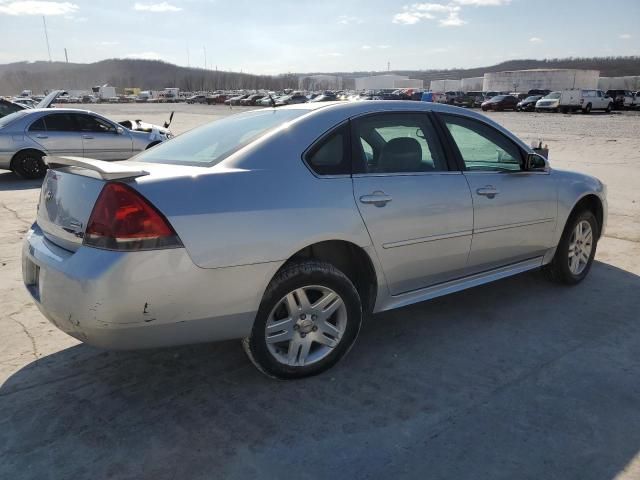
(405, 174)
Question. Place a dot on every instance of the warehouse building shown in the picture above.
(631, 82)
(320, 82)
(444, 85)
(551, 79)
(387, 81)
(472, 84)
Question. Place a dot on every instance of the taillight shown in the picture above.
(122, 219)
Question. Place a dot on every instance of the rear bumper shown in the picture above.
(132, 300)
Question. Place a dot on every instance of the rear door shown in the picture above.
(57, 133)
(101, 139)
(514, 210)
(417, 209)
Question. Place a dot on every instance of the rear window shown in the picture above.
(210, 144)
(4, 121)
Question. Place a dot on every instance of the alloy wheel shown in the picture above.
(580, 247)
(306, 325)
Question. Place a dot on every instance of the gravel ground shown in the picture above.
(517, 379)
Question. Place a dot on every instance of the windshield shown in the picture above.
(499, 97)
(532, 98)
(4, 121)
(553, 96)
(210, 144)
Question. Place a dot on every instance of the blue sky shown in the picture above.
(278, 36)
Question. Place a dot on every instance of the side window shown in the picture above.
(60, 122)
(331, 155)
(482, 148)
(397, 143)
(38, 126)
(89, 123)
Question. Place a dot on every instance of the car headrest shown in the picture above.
(401, 155)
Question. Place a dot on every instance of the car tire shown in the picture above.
(587, 108)
(609, 108)
(29, 164)
(153, 144)
(311, 341)
(572, 248)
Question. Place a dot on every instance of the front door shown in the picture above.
(514, 210)
(101, 139)
(418, 211)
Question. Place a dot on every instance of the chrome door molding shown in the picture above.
(514, 225)
(431, 238)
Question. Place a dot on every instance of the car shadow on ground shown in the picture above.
(517, 379)
(10, 181)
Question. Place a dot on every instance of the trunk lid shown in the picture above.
(69, 191)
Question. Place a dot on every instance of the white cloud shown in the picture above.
(381, 47)
(108, 44)
(535, 40)
(156, 7)
(452, 20)
(349, 20)
(144, 56)
(331, 54)
(447, 14)
(625, 36)
(37, 8)
(483, 3)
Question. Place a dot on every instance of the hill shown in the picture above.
(152, 74)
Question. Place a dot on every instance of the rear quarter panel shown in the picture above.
(264, 210)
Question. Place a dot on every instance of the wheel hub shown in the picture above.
(305, 325)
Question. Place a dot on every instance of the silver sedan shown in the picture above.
(285, 227)
(28, 135)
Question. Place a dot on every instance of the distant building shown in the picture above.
(631, 82)
(441, 86)
(543, 79)
(320, 82)
(387, 81)
(472, 84)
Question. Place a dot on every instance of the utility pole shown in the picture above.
(204, 49)
(46, 36)
(388, 66)
(188, 60)
(66, 56)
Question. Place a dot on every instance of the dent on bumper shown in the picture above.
(128, 300)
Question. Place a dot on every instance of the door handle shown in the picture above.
(87, 137)
(488, 191)
(379, 199)
(42, 136)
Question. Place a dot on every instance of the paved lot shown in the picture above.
(518, 379)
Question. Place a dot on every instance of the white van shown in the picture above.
(584, 100)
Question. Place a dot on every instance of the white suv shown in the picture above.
(584, 100)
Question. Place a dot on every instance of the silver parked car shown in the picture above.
(28, 135)
(286, 226)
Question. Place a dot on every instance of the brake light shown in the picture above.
(122, 219)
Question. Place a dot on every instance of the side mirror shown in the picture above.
(535, 162)
(119, 130)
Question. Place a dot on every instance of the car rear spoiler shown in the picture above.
(106, 170)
